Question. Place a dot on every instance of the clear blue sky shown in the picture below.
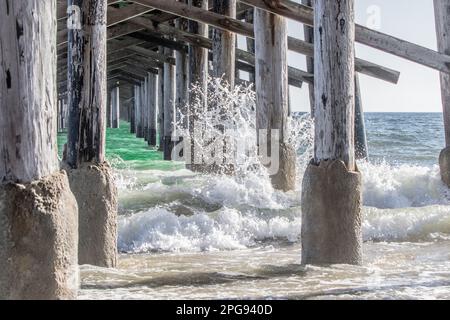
(418, 89)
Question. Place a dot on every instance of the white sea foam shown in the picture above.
(161, 230)
(226, 229)
(387, 186)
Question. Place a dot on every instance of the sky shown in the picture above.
(418, 89)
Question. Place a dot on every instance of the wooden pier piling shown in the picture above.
(331, 191)
(152, 108)
(90, 176)
(224, 44)
(38, 212)
(115, 107)
(182, 84)
(309, 37)
(161, 104)
(198, 73)
(272, 96)
(442, 18)
(169, 106)
(361, 148)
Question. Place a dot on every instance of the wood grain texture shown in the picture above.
(182, 84)
(28, 121)
(224, 43)
(161, 103)
(309, 37)
(363, 35)
(204, 16)
(152, 106)
(271, 72)
(115, 98)
(249, 41)
(334, 84)
(272, 96)
(442, 18)
(87, 85)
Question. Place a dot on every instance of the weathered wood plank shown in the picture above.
(309, 37)
(363, 35)
(442, 18)
(169, 106)
(361, 149)
(246, 29)
(152, 108)
(161, 103)
(87, 85)
(334, 83)
(114, 16)
(249, 41)
(224, 43)
(272, 97)
(115, 107)
(182, 85)
(28, 148)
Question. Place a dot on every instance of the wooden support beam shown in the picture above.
(160, 119)
(86, 138)
(442, 11)
(442, 21)
(62, 7)
(363, 35)
(331, 189)
(152, 93)
(272, 98)
(145, 113)
(334, 92)
(295, 76)
(361, 149)
(112, 80)
(246, 29)
(159, 39)
(198, 73)
(115, 16)
(308, 32)
(169, 106)
(27, 99)
(138, 107)
(182, 84)
(224, 43)
(154, 55)
(115, 107)
(38, 212)
(249, 41)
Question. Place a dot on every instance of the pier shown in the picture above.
(84, 65)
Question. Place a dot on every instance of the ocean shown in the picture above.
(190, 236)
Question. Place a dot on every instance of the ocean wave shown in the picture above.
(159, 229)
(402, 186)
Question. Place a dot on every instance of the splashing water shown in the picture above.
(218, 236)
(183, 211)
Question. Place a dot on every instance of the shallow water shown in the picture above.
(183, 235)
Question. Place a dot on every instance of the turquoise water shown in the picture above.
(124, 150)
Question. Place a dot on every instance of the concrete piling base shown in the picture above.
(444, 165)
(331, 215)
(284, 179)
(38, 240)
(96, 194)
